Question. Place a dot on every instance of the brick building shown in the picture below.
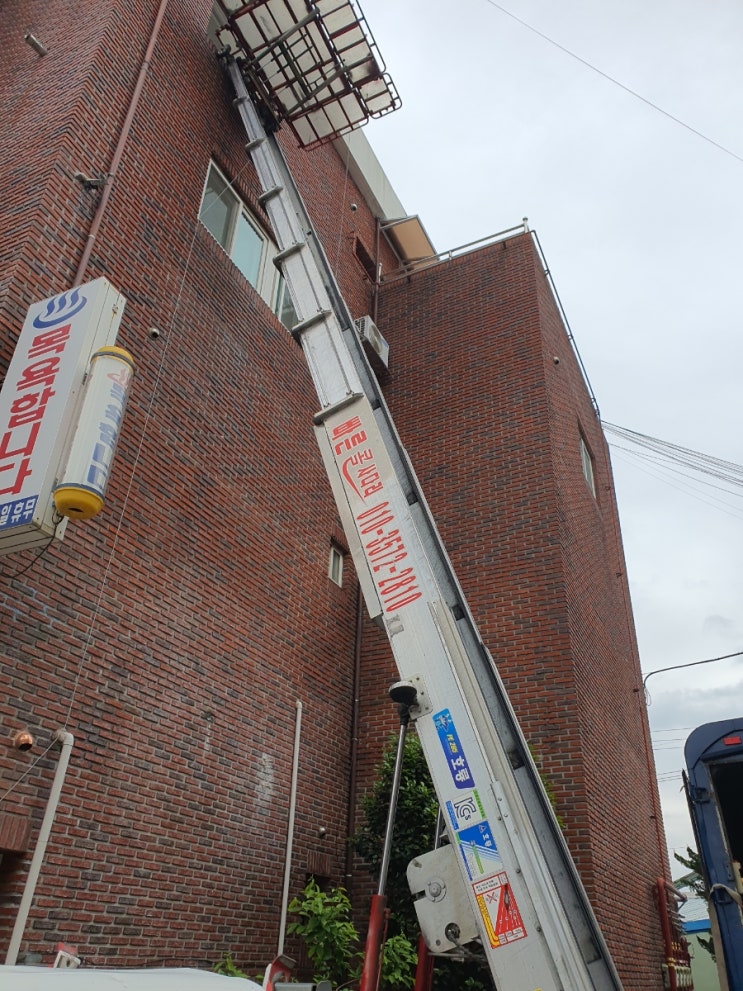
(174, 634)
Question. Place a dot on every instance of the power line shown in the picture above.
(616, 82)
(691, 664)
(682, 468)
(727, 471)
(658, 461)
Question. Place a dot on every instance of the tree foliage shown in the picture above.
(414, 831)
(414, 834)
(332, 941)
(330, 937)
(693, 862)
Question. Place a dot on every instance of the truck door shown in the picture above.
(714, 785)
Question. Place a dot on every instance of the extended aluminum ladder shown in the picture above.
(533, 918)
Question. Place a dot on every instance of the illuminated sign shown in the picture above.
(39, 403)
(81, 490)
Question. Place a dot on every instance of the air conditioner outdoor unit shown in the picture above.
(375, 345)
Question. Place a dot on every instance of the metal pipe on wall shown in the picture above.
(120, 145)
(355, 729)
(67, 740)
(290, 830)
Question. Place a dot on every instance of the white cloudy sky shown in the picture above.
(640, 219)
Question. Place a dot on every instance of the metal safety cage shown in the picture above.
(313, 65)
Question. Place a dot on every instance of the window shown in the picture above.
(335, 568)
(232, 225)
(587, 462)
(284, 307)
(366, 260)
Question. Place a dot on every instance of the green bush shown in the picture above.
(227, 967)
(332, 941)
(398, 964)
(329, 935)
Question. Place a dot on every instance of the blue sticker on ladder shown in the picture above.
(478, 848)
(458, 766)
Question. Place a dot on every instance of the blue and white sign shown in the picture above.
(458, 766)
(479, 851)
(39, 401)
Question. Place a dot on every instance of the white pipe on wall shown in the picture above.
(290, 830)
(66, 740)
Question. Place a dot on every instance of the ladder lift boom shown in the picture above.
(533, 918)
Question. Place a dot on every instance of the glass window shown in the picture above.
(247, 249)
(335, 568)
(218, 208)
(231, 224)
(587, 462)
(284, 306)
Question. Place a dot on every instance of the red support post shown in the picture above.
(375, 937)
(424, 970)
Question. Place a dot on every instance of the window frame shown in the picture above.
(336, 557)
(588, 464)
(269, 284)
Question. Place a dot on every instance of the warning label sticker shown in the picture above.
(498, 909)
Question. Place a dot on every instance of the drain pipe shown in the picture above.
(120, 145)
(355, 730)
(66, 740)
(290, 830)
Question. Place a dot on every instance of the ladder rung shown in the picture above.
(280, 258)
(269, 194)
(322, 416)
(299, 328)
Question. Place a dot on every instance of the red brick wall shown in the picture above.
(174, 633)
(492, 424)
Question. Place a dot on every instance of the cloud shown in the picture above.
(723, 627)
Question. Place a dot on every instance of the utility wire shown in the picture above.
(691, 664)
(616, 82)
(712, 501)
(673, 464)
(728, 471)
(699, 467)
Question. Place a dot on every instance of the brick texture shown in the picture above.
(493, 424)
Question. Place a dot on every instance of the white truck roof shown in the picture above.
(92, 979)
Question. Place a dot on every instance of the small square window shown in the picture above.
(335, 567)
(587, 462)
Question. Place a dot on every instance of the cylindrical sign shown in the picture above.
(80, 492)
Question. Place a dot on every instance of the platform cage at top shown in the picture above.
(313, 65)
(714, 787)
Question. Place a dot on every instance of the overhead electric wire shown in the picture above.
(616, 82)
(706, 498)
(728, 471)
(664, 474)
(666, 461)
(659, 462)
